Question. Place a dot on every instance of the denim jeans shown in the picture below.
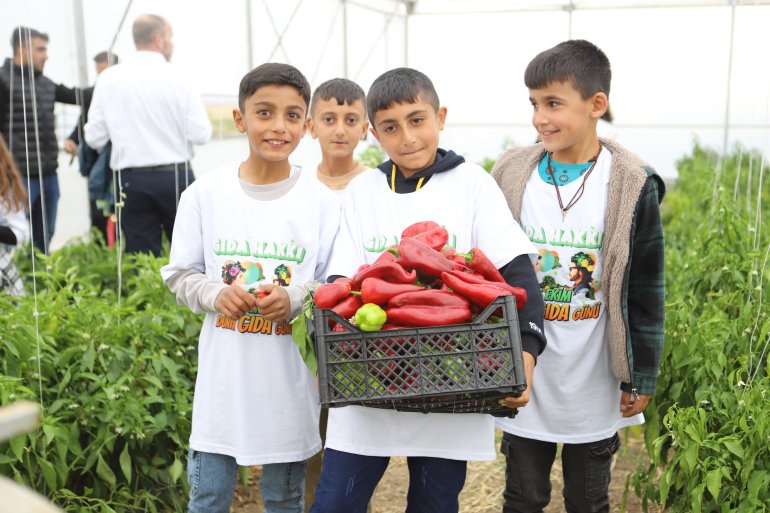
(50, 196)
(348, 482)
(212, 480)
(586, 469)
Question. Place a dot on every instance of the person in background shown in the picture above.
(94, 165)
(28, 126)
(153, 117)
(605, 332)
(338, 120)
(14, 227)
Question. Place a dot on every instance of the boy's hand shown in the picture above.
(631, 404)
(529, 371)
(273, 303)
(233, 302)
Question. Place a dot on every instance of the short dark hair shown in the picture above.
(273, 73)
(23, 34)
(400, 85)
(108, 57)
(579, 62)
(146, 26)
(341, 89)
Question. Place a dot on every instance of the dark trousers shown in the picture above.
(98, 219)
(348, 482)
(150, 198)
(45, 191)
(586, 470)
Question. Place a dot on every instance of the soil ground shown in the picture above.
(483, 487)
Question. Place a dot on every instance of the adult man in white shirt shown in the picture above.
(153, 117)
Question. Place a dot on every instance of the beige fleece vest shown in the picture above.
(627, 180)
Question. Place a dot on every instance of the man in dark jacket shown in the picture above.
(27, 99)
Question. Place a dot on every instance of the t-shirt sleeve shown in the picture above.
(330, 224)
(495, 230)
(187, 239)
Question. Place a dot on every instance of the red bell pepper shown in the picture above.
(448, 252)
(415, 254)
(378, 291)
(428, 232)
(477, 293)
(348, 307)
(414, 315)
(428, 297)
(479, 262)
(518, 292)
(388, 271)
(329, 294)
(385, 256)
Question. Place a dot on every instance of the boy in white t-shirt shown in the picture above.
(591, 208)
(338, 120)
(248, 237)
(420, 182)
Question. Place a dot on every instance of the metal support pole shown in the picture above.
(80, 42)
(249, 38)
(344, 38)
(729, 79)
(409, 11)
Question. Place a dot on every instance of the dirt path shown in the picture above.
(483, 487)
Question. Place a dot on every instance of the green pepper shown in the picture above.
(370, 317)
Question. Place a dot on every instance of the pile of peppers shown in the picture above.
(419, 282)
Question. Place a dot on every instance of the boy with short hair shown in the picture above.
(420, 182)
(591, 208)
(255, 402)
(338, 120)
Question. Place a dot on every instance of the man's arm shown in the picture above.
(95, 131)
(66, 94)
(84, 100)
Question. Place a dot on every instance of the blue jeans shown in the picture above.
(50, 196)
(212, 480)
(348, 482)
(586, 469)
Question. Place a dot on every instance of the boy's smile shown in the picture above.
(338, 127)
(409, 133)
(566, 122)
(273, 118)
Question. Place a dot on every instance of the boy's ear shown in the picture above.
(238, 119)
(366, 129)
(310, 127)
(374, 133)
(599, 105)
(441, 115)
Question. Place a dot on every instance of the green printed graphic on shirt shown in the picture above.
(379, 243)
(569, 277)
(278, 250)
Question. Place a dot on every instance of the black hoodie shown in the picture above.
(445, 160)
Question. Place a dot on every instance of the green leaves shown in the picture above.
(708, 435)
(117, 377)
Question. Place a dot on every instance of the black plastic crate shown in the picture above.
(460, 368)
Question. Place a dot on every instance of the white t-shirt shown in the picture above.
(575, 397)
(468, 202)
(254, 399)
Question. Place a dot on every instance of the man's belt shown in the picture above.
(161, 168)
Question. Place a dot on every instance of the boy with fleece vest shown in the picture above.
(591, 208)
(420, 182)
(256, 402)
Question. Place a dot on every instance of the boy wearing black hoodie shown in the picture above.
(420, 182)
